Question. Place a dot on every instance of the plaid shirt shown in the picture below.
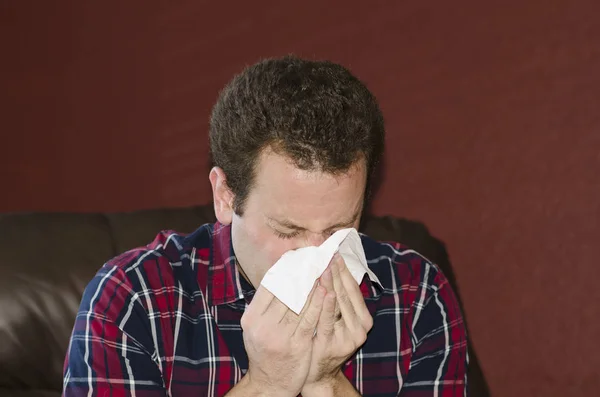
(164, 320)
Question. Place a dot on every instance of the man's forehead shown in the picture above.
(306, 199)
(274, 169)
(300, 224)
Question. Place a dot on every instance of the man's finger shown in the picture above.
(328, 318)
(290, 317)
(309, 317)
(261, 301)
(356, 297)
(349, 316)
(326, 280)
(309, 298)
(276, 311)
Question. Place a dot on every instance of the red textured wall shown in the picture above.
(493, 116)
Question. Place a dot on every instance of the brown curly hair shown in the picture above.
(315, 112)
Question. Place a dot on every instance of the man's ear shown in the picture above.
(222, 196)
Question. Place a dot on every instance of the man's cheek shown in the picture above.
(280, 248)
(266, 246)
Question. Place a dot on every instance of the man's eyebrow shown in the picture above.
(291, 225)
(287, 224)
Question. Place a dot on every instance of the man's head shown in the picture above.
(295, 144)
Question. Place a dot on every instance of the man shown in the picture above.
(295, 144)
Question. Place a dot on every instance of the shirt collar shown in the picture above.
(226, 283)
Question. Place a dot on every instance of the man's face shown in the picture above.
(288, 208)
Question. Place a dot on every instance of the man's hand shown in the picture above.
(339, 333)
(279, 343)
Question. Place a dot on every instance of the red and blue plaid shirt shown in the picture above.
(164, 320)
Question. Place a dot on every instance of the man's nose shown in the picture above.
(315, 239)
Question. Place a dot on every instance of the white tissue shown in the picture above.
(293, 276)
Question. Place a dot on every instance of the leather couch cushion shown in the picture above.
(136, 229)
(46, 260)
(29, 393)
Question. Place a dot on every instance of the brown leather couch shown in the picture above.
(46, 260)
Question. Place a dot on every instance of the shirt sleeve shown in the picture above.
(438, 366)
(110, 351)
